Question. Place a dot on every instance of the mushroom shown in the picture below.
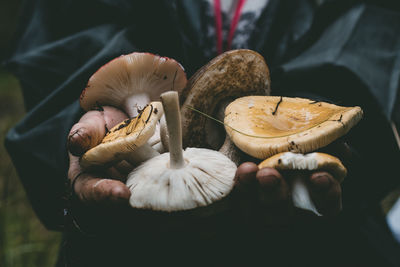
(91, 129)
(126, 141)
(177, 180)
(316, 161)
(263, 126)
(132, 81)
(230, 75)
(228, 148)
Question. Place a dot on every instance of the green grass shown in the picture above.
(23, 239)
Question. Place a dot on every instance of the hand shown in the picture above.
(264, 195)
(91, 188)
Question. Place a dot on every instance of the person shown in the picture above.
(343, 51)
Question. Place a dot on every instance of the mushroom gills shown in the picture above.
(156, 186)
(132, 81)
(180, 180)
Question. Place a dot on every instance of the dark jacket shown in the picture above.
(344, 51)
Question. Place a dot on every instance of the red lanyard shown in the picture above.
(218, 24)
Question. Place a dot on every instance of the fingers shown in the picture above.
(273, 189)
(124, 167)
(326, 193)
(266, 184)
(114, 173)
(262, 196)
(265, 195)
(244, 196)
(92, 190)
(246, 176)
(91, 129)
(274, 196)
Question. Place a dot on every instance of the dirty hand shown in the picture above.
(92, 188)
(264, 194)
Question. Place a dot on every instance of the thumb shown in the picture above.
(91, 129)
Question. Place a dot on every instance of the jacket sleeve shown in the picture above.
(58, 46)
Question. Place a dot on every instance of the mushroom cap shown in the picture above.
(230, 75)
(124, 138)
(127, 75)
(314, 161)
(208, 176)
(262, 126)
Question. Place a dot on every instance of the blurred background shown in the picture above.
(23, 239)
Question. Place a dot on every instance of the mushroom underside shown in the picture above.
(207, 176)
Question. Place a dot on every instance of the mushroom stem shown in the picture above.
(301, 196)
(170, 101)
(135, 102)
(141, 154)
(164, 136)
(230, 150)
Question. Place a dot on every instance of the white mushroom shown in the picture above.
(180, 180)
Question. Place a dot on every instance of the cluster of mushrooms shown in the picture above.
(234, 88)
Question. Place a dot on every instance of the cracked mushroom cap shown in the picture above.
(262, 126)
(206, 177)
(124, 138)
(315, 161)
(132, 81)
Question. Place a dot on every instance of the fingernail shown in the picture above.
(269, 182)
(320, 182)
(77, 143)
(120, 194)
(246, 179)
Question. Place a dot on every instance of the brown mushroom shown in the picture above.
(230, 75)
(126, 141)
(262, 126)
